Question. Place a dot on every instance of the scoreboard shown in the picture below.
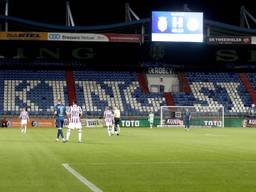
(177, 26)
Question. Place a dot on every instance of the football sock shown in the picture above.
(61, 134)
(68, 134)
(79, 135)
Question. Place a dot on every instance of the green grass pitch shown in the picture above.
(139, 160)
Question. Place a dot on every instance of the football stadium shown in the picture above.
(161, 103)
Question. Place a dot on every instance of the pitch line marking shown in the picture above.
(82, 179)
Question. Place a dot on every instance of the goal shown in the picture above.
(201, 116)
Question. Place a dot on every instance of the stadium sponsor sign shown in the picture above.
(249, 123)
(77, 37)
(196, 122)
(43, 123)
(160, 70)
(92, 122)
(41, 36)
(174, 122)
(130, 123)
(229, 40)
(93, 37)
(125, 38)
(38, 123)
(213, 123)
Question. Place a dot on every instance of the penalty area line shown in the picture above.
(82, 179)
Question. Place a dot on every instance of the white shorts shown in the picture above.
(24, 122)
(75, 125)
(108, 123)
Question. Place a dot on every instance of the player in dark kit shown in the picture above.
(60, 112)
(186, 119)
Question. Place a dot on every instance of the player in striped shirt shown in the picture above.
(24, 117)
(75, 112)
(108, 117)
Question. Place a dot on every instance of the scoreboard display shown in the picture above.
(177, 26)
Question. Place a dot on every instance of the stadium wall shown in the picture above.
(106, 55)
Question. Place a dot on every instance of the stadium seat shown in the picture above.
(216, 89)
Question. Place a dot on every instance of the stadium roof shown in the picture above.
(105, 12)
(98, 16)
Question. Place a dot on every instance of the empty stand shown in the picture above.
(95, 90)
(249, 81)
(36, 90)
(215, 89)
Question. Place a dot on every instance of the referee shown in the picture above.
(117, 114)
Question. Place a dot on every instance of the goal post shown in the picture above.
(201, 116)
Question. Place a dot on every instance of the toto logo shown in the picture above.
(54, 36)
(130, 123)
(213, 123)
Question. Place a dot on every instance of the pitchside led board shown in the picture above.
(177, 26)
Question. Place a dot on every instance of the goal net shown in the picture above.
(201, 116)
